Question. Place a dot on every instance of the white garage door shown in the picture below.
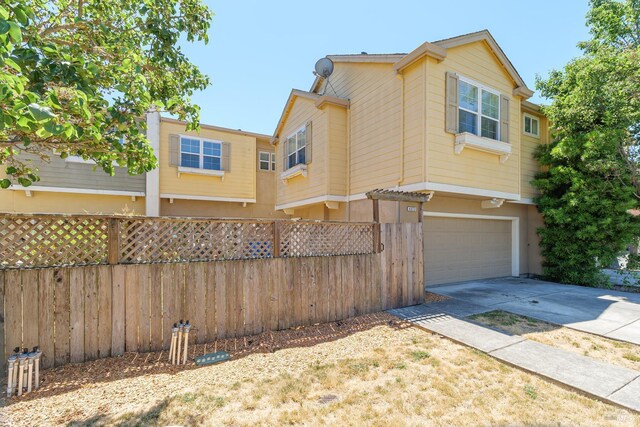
(458, 249)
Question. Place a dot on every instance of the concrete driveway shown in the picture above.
(599, 311)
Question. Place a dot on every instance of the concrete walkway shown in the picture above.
(603, 312)
(602, 380)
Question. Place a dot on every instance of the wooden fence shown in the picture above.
(81, 313)
(36, 241)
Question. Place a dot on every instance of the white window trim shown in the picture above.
(201, 159)
(271, 161)
(532, 117)
(481, 143)
(478, 113)
(515, 233)
(198, 171)
(299, 169)
(286, 147)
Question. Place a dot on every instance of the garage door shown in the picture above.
(458, 249)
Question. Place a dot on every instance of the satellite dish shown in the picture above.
(324, 67)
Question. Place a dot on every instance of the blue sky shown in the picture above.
(259, 50)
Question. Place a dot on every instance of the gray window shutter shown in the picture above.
(451, 112)
(308, 148)
(225, 161)
(174, 150)
(504, 118)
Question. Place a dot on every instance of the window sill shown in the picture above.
(299, 169)
(487, 145)
(532, 135)
(197, 171)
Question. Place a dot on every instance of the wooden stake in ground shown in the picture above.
(174, 338)
(187, 326)
(10, 376)
(22, 359)
(177, 356)
(31, 358)
(37, 367)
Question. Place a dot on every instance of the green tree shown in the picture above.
(591, 167)
(78, 76)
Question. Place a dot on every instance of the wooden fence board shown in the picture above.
(13, 310)
(62, 317)
(118, 310)
(155, 299)
(90, 313)
(221, 300)
(46, 307)
(76, 315)
(30, 280)
(211, 301)
(170, 302)
(104, 310)
(198, 308)
(273, 271)
(132, 307)
(144, 328)
(3, 349)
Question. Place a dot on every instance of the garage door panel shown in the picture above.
(458, 249)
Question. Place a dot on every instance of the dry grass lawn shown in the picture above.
(604, 349)
(372, 370)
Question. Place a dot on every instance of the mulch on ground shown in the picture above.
(73, 376)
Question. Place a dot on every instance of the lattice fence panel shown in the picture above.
(151, 240)
(299, 239)
(32, 241)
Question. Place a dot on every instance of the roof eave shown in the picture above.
(425, 49)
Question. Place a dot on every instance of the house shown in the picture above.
(216, 172)
(451, 118)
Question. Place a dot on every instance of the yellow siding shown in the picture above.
(15, 201)
(414, 123)
(529, 165)
(314, 184)
(374, 93)
(337, 150)
(471, 168)
(240, 182)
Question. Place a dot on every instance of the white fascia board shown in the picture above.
(34, 188)
(312, 201)
(206, 198)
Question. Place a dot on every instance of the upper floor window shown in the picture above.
(267, 161)
(296, 148)
(200, 154)
(531, 125)
(478, 110)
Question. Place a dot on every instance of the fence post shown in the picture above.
(114, 241)
(377, 243)
(276, 239)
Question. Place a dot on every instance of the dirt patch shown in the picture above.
(432, 297)
(604, 349)
(370, 370)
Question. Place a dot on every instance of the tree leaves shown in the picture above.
(80, 82)
(590, 178)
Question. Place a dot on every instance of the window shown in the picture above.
(531, 126)
(267, 161)
(479, 110)
(295, 147)
(200, 154)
